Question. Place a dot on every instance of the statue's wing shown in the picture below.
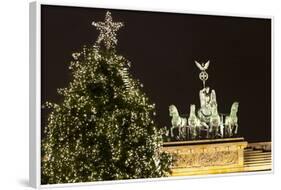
(207, 65)
(199, 66)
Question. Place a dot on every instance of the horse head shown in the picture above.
(234, 108)
(192, 109)
(173, 110)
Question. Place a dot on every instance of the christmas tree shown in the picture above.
(103, 129)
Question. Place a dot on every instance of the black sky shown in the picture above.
(162, 48)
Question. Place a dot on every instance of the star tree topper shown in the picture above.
(108, 31)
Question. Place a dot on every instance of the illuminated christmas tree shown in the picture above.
(103, 129)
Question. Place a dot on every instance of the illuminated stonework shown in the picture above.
(207, 156)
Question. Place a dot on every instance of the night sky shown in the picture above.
(162, 48)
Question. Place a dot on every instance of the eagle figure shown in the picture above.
(203, 66)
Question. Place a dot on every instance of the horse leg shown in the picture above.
(172, 133)
(215, 132)
(178, 135)
(221, 131)
(197, 133)
(185, 132)
(194, 132)
(191, 133)
(227, 131)
(236, 129)
(208, 132)
(181, 129)
(231, 130)
(181, 133)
